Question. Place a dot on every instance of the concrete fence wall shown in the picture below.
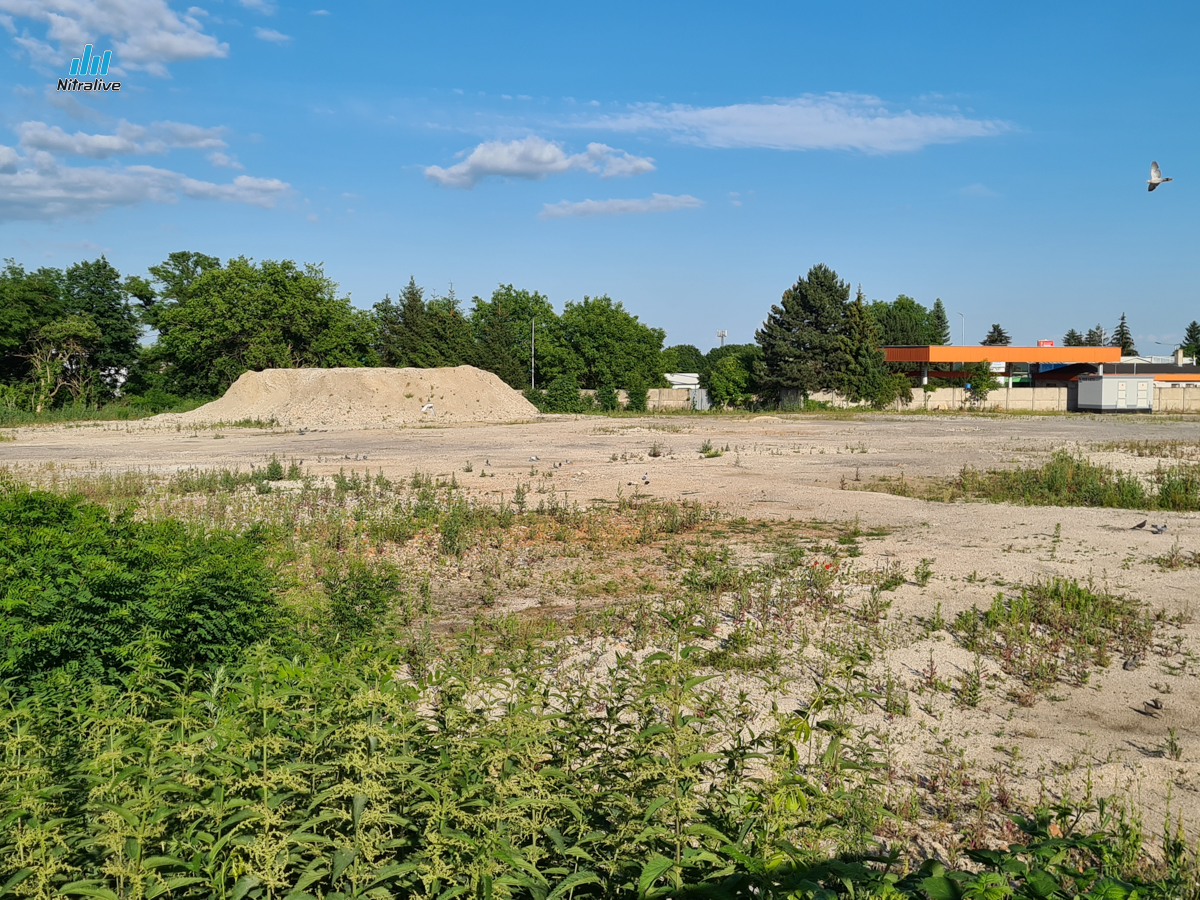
(1167, 399)
(656, 398)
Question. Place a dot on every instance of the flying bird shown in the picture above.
(1156, 177)
(1141, 524)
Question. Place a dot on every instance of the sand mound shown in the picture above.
(363, 398)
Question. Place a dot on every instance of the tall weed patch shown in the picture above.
(79, 586)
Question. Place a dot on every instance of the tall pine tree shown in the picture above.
(1123, 338)
(937, 325)
(800, 337)
(997, 337)
(1096, 336)
(1191, 340)
(1072, 339)
(863, 370)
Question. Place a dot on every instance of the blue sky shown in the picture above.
(688, 159)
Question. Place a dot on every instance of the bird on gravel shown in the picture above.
(1132, 663)
(1159, 529)
(1153, 707)
(1156, 177)
(487, 462)
(1141, 524)
(533, 459)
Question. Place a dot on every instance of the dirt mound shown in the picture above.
(363, 398)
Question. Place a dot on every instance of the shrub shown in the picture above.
(359, 595)
(562, 395)
(638, 393)
(80, 587)
(606, 397)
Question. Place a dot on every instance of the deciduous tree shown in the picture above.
(609, 344)
(246, 316)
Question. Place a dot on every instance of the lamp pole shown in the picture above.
(964, 329)
(532, 323)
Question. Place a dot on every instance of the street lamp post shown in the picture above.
(964, 328)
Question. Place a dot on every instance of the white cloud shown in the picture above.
(8, 159)
(270, 34)
(6, 22)
(224, 161)
(37, 186)
(652, 204)
(319, 12)
(826, 122)
(146, 34)
(977, 190)
(535, 158)
(158, 137)
(266, 7)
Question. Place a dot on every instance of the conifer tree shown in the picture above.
(937, 326)
(864, 372)
(997, 337)
(1191, 340)
(1123, 338)
(800, 337)
(1073, 339)
(1096, 336)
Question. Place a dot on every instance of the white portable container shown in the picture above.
(1116, 393)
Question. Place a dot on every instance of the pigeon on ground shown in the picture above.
(487, 462)
(1159, 529)
(1153, 707)
(428, 407)
(1156, 177)
(1132, 663)
(533, 459)
(1141, 524)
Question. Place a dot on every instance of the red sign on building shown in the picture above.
(1045, 343)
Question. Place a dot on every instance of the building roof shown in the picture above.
(1159, 373)
(997, 354)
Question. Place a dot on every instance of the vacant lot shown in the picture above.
(1018, 703)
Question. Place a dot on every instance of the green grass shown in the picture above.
(110, 412)
(1065, 480)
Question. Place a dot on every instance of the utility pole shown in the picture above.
(721, 335)
(532, 323)
(964, 324)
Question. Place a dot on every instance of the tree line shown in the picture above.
(75, 336)
(79, 337)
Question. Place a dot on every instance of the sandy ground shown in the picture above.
(793, 467)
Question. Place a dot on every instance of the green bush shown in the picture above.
(637, 392)
(562, 395)
(359, 597)
(79, 587)
(606, 397)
